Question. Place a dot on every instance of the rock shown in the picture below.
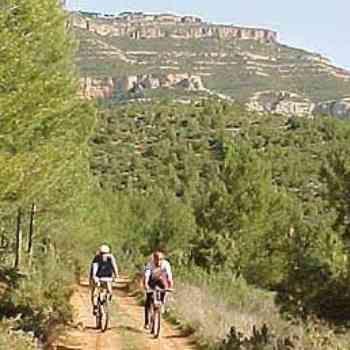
(336, 108)
(108, 88)
(94, 88)
(142, 26)
(281, 102)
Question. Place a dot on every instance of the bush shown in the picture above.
(40, 301)
(17, 340)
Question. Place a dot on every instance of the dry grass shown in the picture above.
(213, 316)
(213, 311)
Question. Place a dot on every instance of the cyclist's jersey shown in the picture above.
(104, 266)
(163, 273)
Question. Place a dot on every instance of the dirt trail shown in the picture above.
(126, 329)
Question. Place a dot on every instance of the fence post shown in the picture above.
(18, 257)
(31, 234)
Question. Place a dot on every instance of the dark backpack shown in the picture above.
(105, 268)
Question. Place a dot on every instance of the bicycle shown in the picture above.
(157, 302)
(103, 306)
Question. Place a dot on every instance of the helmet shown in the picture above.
(104, 249)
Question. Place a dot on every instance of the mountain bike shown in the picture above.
(155, 310)
(103, 306)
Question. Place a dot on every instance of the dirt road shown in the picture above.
(126, 330)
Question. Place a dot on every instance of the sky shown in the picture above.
(321, 26)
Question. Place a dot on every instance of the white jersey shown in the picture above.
(164, 268)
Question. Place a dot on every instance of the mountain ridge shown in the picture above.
(123, 47)
(139, 25)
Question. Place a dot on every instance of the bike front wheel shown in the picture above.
(156, 322)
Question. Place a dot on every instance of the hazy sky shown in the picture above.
(322, 26)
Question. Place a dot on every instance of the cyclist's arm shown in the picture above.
(115, 267)
(169, 275)
(147, 277)
(94, 272)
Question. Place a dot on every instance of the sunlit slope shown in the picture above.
(237, 68)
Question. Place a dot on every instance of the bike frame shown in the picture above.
(155, 309)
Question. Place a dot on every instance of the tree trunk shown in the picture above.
(18, 240)
(31, 234)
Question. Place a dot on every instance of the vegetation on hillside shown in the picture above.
(254, 197)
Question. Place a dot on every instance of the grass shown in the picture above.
(214, 307)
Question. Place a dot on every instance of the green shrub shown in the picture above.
(40, 301)
(16, 340)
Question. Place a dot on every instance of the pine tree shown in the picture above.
(44, 125)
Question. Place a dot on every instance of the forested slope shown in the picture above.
(260, 197)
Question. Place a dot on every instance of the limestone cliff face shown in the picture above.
(110, 87)
(337, 108)
(95, 88)
(142, 26)
(281, 102)
(287, 103)
(276, 102)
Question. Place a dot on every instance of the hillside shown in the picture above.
(225, 62)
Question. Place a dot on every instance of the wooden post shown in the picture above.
(3, 240)
(30, 234)
(18, 240)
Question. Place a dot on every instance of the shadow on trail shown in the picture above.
(92, 328)
(122, 285)
(129, 329)
(176, 336)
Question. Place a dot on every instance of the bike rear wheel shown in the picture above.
(104, 316)
(98, 320)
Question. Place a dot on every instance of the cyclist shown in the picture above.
(157, 273)
(103, 268)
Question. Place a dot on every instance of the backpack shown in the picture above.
(105, 267)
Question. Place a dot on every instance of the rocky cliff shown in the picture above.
(281, 102)
(288, 103)
(143, 26)
(337, 108)
(109, 88)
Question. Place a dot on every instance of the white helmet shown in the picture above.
(104, 249)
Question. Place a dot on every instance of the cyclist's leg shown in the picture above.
(147, 306)
(109, 289)
(163, 298)
(94, 296)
